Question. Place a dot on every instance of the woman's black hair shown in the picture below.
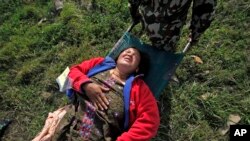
(144, 64)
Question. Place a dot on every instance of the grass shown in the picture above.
(34, 53)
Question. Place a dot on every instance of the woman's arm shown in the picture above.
(144, 114)
(78, 73)
(80, 82)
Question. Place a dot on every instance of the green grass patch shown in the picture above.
(37, 44)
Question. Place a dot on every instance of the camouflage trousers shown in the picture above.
(163, 20)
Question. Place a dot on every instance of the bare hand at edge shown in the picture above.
(96, 94)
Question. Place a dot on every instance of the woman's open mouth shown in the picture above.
(128, 58)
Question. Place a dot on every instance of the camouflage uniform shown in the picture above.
(164, 19)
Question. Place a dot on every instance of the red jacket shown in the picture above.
(144, 117)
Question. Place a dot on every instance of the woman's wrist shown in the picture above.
(84, 85)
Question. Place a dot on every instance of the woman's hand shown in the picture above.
(96, 95)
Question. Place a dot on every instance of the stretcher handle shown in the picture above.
(131, 27)
(188, 46)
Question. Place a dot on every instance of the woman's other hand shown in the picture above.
(96, 94)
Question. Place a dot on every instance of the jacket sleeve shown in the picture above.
(202, 16)
(146, 115)
(78, 73)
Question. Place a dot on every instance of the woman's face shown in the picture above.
(129, 58)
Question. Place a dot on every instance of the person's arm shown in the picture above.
(81, 82)
(146, 115)
(78, 73)
(202, 16)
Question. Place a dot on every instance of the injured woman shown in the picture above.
(110, 102)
